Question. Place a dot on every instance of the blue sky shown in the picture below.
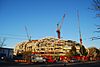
(41, 18)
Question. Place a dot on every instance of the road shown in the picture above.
(86, 64)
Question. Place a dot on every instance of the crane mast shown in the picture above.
(59, 27)
(79, 28)
(29, 37)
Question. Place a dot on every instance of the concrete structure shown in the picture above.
(47, 46)
(24, 46)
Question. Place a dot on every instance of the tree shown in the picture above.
(73, 51)
(83, 50)
(2, 42)
(96, 7)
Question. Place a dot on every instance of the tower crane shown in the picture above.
(59, 26)
(29, 37)
(79, 28)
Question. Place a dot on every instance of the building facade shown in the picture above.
(49, 46)
(6, 53)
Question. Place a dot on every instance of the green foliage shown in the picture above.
(85, 54)
(73, 51)
(83, 50)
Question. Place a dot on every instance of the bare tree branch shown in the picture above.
(2, 42)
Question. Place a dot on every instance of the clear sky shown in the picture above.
(41, 18)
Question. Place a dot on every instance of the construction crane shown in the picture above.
(79, 28)
(59, 26)
(29, 37)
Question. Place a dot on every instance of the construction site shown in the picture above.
(52, 48)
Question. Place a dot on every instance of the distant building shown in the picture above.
(6, 52)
